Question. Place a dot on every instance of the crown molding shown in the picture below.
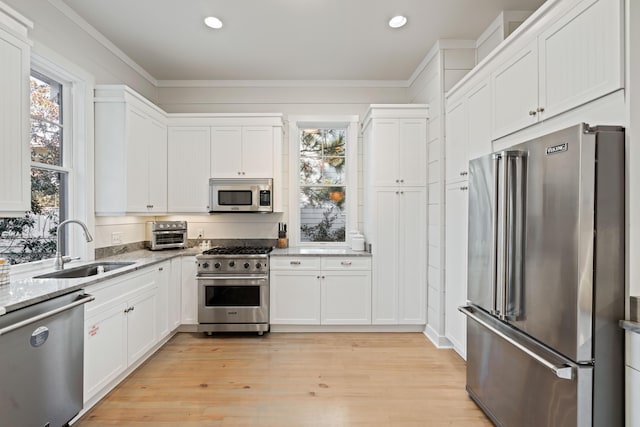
(283, 83)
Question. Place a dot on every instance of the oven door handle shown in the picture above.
(232, 277)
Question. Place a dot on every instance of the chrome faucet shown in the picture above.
(59, 260)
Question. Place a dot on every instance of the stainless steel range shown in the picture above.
(233, 289)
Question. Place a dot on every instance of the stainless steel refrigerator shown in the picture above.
(546, 280)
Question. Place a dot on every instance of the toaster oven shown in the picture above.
(166, 235)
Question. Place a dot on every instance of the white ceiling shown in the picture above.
(286, 39)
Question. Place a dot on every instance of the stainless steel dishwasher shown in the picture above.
(41, 362)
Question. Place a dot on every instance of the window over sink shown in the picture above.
(323, 180)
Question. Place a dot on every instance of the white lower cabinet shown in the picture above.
(163, 272)
(120, 327)
(295, 298)
(174, 317)
(189, 294)
(320, 291)
(632, 380)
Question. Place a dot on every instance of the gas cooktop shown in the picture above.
(238, 250)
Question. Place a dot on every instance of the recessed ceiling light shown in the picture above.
(398, 21)
(213, 22)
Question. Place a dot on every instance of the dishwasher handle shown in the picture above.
(83, 300)
(561, 371)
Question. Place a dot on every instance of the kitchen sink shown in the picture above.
(84, 270)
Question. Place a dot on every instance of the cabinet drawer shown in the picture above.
(346, 263)
(118, 289)
(294, 263)
(633, 349)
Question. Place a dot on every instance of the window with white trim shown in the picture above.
(323, 180)
(32, 237)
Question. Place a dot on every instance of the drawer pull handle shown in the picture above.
(346, 263)
(295, 263)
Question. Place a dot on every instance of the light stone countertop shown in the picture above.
(22, 292)
(630, 326)
(307, 251)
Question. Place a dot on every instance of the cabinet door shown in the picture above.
(175, 290)
(295, 298)
(632, 418)
(456, 162)
(478, 122)
(384, 153)
(226, 151)
(456, 218)
(105, 347)
(581, 56)
(412, 256)
(515, 92)
(15, 191)
(345, 298)
(189, 294)
(141, 324)
(257, 152)
(385, 258)
(137, 159)
(157, 157)
(163, 273)
(413, 152)
(188, 171)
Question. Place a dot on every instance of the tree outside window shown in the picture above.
(33, 236)
(323, 190)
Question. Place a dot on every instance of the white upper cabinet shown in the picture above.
(581, 56)
(515, 92)
(189, 163)
(456, 143)
(130, 153)
(479, 120)
(15, 48)
(397, 145)
(574, 60)
(242, 152)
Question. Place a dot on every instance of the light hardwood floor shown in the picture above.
(282, 379)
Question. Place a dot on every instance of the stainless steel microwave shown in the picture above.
(240, 195)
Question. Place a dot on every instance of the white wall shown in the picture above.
(60, 33)
(448, 62)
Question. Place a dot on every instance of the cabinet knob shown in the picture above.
(323, 277)
(397, 192)
(464, 173)
(464, 188)
(161, 269)
(540, 109)
(239, 173)
(532, 113)
(317, 277)
(149, 206)
(402, 180)
(243, 173)
(402, 192)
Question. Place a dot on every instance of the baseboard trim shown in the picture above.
(440, 341)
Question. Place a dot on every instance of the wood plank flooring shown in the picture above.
(282, 379)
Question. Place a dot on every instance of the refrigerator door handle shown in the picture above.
(561, 371)
(504, 226)
(494, 241)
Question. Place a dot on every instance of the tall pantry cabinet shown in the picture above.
(395, 155)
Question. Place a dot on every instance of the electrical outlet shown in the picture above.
(200, 233)
(116, 238)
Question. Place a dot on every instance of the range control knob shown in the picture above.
(232, 263)
(258, 265)
(217, 265)
(205, 265)
(246, 265)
